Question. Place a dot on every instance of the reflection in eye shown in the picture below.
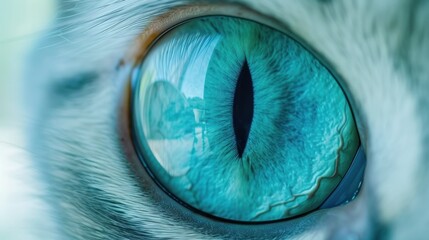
(239, 121)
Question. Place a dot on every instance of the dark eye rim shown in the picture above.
(130, 125)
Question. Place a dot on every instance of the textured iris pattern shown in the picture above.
(240, 121)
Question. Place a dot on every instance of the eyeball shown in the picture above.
(240, 121)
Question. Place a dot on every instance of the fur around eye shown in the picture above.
(94, 186)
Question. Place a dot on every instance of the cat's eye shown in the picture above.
(241, 122)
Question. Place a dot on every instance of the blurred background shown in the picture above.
(21, 24)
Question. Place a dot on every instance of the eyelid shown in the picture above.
(138, 51)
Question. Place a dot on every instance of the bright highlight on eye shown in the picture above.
(239, 121)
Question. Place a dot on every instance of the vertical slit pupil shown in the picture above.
(243, 108)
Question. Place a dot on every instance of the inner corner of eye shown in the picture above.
(241, 122)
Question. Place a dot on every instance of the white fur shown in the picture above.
(94, 194)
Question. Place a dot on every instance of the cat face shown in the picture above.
(77, 83)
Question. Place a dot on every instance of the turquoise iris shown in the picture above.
(240, 121)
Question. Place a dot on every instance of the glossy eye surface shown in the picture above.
(239, 121)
